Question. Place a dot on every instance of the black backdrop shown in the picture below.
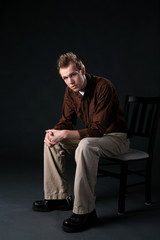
(114, 39)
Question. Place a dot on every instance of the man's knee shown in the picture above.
(87, 146)
(84, 144)
(87, 152)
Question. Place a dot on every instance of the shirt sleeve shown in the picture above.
(103, 113)
(69, 117)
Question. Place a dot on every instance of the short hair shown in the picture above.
(65, 59)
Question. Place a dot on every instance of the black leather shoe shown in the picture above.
(80, 222)
(50, 205)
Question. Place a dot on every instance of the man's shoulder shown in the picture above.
(68, 92)
(100, 82)
(70, 95)
(98, 79)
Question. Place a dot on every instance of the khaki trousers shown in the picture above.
(87, 153)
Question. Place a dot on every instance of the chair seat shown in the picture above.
(132, 154)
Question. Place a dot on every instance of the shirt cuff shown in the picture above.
(88, 132)
(83, 133)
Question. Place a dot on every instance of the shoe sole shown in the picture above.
(71, 230)
(78, 229)
(51, 209)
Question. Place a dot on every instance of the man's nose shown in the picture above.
(70, 80)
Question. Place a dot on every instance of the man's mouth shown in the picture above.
(74, 86)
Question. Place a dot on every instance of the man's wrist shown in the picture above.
(71, 134)
(65, 134)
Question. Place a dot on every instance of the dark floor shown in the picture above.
(21, 182)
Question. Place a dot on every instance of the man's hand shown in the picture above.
(53, 137)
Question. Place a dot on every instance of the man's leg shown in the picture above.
(87, 156)
(56, 187)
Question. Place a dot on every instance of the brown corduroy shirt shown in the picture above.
(99, 109)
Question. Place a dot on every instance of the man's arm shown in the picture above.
(69, 117)
(63, 129)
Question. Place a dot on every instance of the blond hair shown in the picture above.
(65, 59)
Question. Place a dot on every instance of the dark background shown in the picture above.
(114, 39)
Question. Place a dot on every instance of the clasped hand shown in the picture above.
(53, 137)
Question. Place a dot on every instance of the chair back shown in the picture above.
(142, 115)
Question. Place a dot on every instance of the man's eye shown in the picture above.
(73, 74)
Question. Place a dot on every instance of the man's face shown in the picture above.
(73, 77)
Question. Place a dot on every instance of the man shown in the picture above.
(94, 100)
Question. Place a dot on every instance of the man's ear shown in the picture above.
(83, 70)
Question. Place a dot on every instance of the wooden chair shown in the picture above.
(142, 114)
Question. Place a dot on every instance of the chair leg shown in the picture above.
(148, 182)
(122, 188)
